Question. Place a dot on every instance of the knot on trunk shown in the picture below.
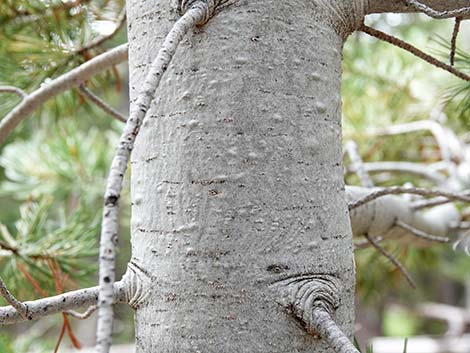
(137, 283)
(208, 6)
(302, 295)
(346, 15)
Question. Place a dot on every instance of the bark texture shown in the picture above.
(237, 176)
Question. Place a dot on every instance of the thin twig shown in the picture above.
(102, 104)
(358, 164)
(421, 234)
(12, 89)
(437, 14)
(21, 308)
(392, 259)
(82, 316)
(413, 50)
(198, 14)
(419, 169)
(395, 190)
(71, 79)
(362, 244)
(59, 303)
(453, 41)
(437, 201)
(100, 40)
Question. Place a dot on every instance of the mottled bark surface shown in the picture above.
(237, 176)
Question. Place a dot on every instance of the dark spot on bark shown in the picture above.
(106, 279)
(111, 200)
(277, 268)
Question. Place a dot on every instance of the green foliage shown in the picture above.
(41, 234)
(66, 163)
(5, 344)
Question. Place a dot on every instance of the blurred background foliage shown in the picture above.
(53, 168)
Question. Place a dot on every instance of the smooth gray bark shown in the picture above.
(237, 175)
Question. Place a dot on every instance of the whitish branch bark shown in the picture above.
(396, 190)
(331, 333)
(71, 79)
(357, 164)
(450, 146)
(419, 169)
(11, 89)
(5, 293)
(379, 6)
(379, 217)
(198, 13)
(60, 303)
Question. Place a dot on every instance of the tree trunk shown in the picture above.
(237, 177)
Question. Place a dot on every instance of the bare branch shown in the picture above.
(437, 201)
(413, 50)
(100, 40)
(362, 244)
(59, 303)
(358, 164)
(19, 306)
(198, 13)
(102, 105)
(453, 41)
(330, 332)
(84, 315)
(419, 6)
(420, 234)
(12, 89)
(418, 169)
(395, 190)
(392, 259)
(71, 79)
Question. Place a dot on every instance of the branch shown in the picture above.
(102, 104)
(450, 146)
(419, 6)
(330, 332)
(358, 164)
(453, 41)
(397, 6)
(82, 316)
(19, 306)
(15, 90)
(100, 40)
(419, 205)
(198, 13)
(418, 169)
(419, 233)
(395, 190)
(413, 50)
(393, 260)
(59, 303)
(71, 79)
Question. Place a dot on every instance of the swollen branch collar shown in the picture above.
(208, 5)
